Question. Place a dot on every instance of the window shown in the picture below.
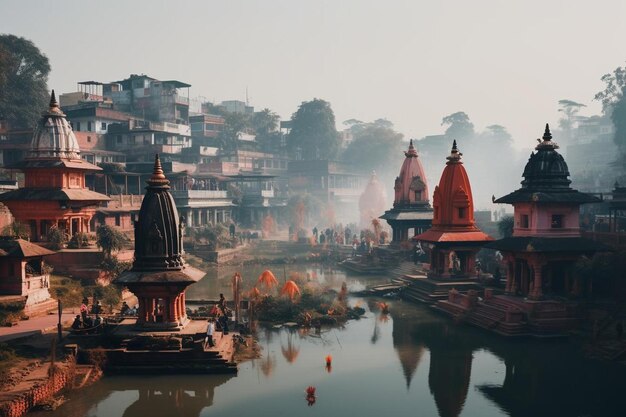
(88, 138)
(78, 126)
(524, 223)
(118, 138)
(557, 221)
(461, 212)
(117, 219)
(103, 126)
(88, 126)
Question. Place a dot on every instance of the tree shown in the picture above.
(613, 99)
(569, 109)
(265, 125)
(313, 132)
(375, 146)
(234, 124)
(17, 230)
(505, 226)
(109, 239)
(23, 81)
(497, 134)
(458, 125)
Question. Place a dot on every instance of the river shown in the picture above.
(412, 362)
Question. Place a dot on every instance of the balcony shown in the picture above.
(200, 194)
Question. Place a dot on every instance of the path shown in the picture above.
(34, 325)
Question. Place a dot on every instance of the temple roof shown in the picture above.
(54, 143)
(453, 205)
(546, 178)
(411, 187)
(548, 244)
(54, 194)
(158, 238)
(20, 248)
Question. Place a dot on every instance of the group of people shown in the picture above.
(86, 322)
(219, 319)
(126, 310)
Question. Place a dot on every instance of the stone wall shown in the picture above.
(41, 391)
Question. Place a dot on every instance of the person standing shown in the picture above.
(210, 330)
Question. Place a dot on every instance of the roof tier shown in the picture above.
(411, 187)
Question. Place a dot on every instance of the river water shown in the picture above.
(412, 362)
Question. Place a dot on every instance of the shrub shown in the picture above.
(56, 237)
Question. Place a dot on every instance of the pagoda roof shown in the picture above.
(548, 244)
(55, 194)
(555, 196)
(419, 213)
(20, 248)
(187, 275)
(436, 236)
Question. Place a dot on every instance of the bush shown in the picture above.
(56, 237)
(79, 240)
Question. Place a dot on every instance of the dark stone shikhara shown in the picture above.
(159, 276)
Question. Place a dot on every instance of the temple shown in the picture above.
(453, 240)
(372, 201)
(411, 208)
(54, 193)
(159, 276)
(546, 240)
(543, 291)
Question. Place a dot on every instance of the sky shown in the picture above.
(411, 62)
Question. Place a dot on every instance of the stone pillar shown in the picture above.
(171, 310)
(510, 277)
(537, 291)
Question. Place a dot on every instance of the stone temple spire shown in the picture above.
(455, 155)
(158, 179)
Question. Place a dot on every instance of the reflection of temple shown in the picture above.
(184, 396)
(159, 276)
(411, 209)
(54, 193)
(372, 202)
(453, 240)
(450, 358)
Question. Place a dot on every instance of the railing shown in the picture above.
(200, 194)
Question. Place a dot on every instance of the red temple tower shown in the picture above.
(453, 240)
(159, 276)
(411, 208)
(54, 192)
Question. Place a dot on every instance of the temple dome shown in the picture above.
(546, 168)
(372, 202)
(53, 137)
(411, 187)
(158, 234)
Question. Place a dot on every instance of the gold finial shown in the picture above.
(158, 177)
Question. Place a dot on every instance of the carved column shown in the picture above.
(537, 292)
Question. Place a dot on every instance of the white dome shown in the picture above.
(53, 137)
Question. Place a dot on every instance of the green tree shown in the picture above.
(265, 126)
(505, 226)
(613, 99)
(56, 237)
(23, 81)
(459, 126)
(313, 132)
(109, 239)
(234, 125)
(375, 146)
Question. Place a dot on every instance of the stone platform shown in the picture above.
(512, 316)
(197, 359)
(428, 290)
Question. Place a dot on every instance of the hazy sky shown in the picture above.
(412, 62)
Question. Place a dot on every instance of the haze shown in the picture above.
(410, 62)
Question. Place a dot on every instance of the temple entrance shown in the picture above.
(75, 227)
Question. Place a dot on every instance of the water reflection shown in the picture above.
(415, 363)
